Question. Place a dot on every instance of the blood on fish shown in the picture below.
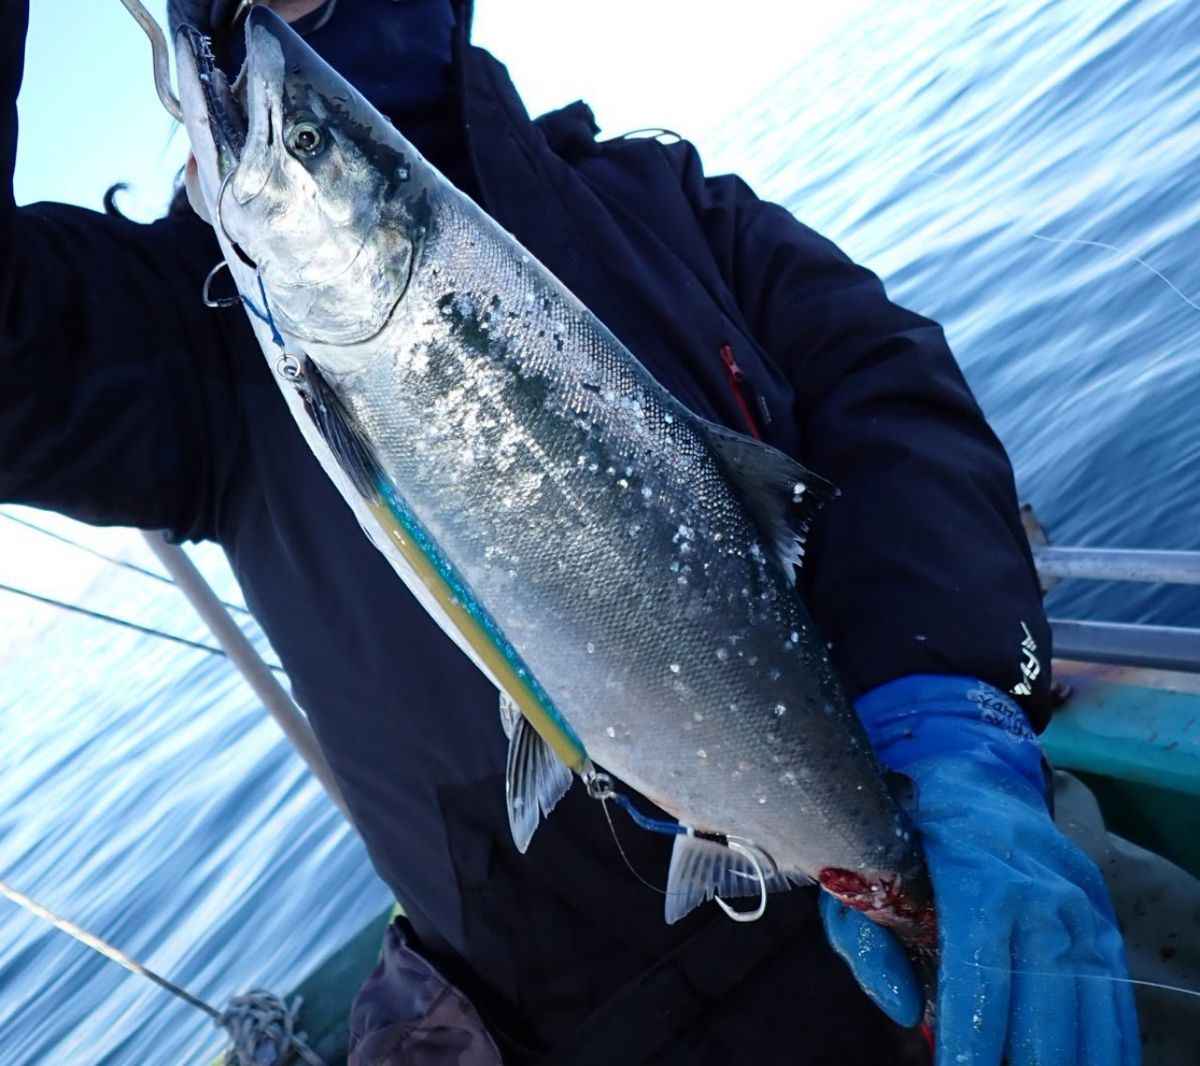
(884, 899)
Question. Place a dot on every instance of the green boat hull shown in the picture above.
(1133, 736)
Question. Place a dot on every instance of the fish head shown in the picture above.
(320, 205)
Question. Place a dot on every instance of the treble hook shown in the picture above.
(759, 876)
(220, 199)
(600, 787)
(220, 301)
(162, 64)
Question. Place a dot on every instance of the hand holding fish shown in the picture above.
(1032, 967)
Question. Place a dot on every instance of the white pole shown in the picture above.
(277, 701)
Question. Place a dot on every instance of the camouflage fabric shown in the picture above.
(407, 1014)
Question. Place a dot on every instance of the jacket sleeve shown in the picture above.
(921, 564)
(111, 367)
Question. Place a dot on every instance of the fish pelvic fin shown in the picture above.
(510, 714)
(535, 781)
(782, 495)
(702, 868)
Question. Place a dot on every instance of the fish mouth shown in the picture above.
(308, 244)
(224, 101)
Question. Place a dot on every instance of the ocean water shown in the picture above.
(1003, 165)
(145, 795)
(985, 159)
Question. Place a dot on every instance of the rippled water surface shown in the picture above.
(981, 157)
(146, 795)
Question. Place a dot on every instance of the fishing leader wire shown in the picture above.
(600, 787)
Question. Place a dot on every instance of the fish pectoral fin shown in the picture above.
(703, 868)
(536, 780)
(782, 495)
(346, 439)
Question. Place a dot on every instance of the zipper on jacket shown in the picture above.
(737, 385)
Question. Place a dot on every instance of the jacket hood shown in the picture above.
(207, 14)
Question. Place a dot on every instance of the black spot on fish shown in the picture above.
(420, 214)
(466, 324)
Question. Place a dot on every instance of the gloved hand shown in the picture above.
(1027, 936)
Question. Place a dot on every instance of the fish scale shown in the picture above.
(496, 395)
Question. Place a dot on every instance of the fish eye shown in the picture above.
(306, 138)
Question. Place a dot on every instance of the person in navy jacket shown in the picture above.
(127, 401)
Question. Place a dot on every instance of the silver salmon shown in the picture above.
(621, 569)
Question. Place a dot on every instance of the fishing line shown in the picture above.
(123, 563)
(600, 787)
(1075, 976)
(1084, 241)
(625, 858)
(148, 631)
(266, 317)
(1129, 256)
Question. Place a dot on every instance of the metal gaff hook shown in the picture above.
(759, 876)
(162, 64)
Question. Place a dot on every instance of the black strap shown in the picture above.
(648, 1012)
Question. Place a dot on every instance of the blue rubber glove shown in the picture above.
(1027, 935)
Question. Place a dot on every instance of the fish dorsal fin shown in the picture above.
(536, 780)
(782, 495)
(703, 868)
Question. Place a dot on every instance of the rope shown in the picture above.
(262, 1026)
(107, 950)
(124, 563)
(100, 616)
(234, 644)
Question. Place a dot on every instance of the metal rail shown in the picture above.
(1117, 643)
(1118, 564)
(1121, 644)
